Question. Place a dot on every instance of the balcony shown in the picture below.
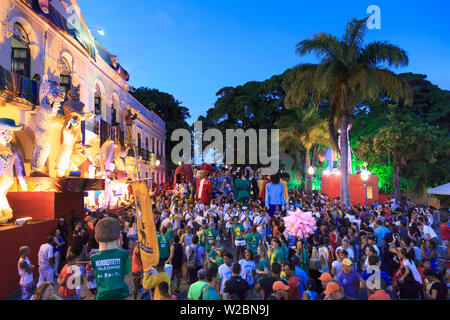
(18, 89)
(106, 131)
(145, 154)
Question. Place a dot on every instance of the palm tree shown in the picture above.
(349, 73)
(301, 128)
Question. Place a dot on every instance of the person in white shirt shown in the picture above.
(427, 231)
(25, 269)
(260, 222)
(228, 219)
(336, 265)
(46, 261)
(199, 219)
(346, 246)
(225, 272)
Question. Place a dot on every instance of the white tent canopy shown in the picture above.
(441, 190)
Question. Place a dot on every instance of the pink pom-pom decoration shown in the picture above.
(300, 224)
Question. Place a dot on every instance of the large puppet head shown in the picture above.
(7, 127)
(107, 232)
(205, 168)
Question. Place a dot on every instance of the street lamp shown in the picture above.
(311, 170)
(365, 176)
(99, 30)
(157, 163)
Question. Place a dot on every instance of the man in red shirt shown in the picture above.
(445, 230)
(68, 279)
(293, 282)
(379, 293)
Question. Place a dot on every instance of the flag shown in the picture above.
(147, 239)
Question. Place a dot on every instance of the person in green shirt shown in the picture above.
(164, 244)
(275, 252)
(201, 240)
(195, 289)
(263, 267)
(209, 291)
(110, 264)
(253, 240)
(238, 231)
(169, 232)
(242, 188)
(215, 256)
(209, 235)
(284, 248)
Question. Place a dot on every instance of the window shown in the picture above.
(65, 79)
(139, 141)
(98, 101)
(113, 115)
(153, 145)
(146, 143)
(20, 52)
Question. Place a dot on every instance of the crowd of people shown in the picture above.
(236, 246)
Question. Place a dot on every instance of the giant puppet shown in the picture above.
(71, 132)
(204, 188)
(184, 182)
(129, 118)
(10, 157)
(50, 99)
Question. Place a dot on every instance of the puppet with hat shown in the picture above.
(10, 157)
(204, 187)
(71, 133)
(110, 264)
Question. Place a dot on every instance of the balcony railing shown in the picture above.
(106, 130)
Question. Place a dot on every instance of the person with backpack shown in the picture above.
(194, 256)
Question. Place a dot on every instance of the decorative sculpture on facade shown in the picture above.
(50, 99)
(9, 157)
(71, 132)
(129, 118)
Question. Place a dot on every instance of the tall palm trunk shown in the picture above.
(308, 177)
(345, 193)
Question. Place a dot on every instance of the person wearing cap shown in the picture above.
(334, 291)
(349, 279)
(325, 278)
(195, 289)
(280, 291)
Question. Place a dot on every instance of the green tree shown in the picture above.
(406, 141)
(300, 129)
(349, 73)
(254, 105)
(169, 109)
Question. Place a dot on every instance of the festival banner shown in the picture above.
(147, 240)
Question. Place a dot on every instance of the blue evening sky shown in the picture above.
(192, 48)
